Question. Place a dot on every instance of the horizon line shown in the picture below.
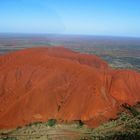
(69, 34)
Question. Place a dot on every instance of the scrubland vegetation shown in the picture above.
(125, 127)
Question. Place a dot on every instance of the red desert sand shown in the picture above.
(38, 84)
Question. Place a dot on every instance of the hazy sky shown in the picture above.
(97, 17)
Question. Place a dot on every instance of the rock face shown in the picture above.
(42, 83)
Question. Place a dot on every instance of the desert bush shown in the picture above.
(51, 122)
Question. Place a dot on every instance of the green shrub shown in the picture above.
(51, 122)
(80, 123)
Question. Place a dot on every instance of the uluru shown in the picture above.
(39, 84)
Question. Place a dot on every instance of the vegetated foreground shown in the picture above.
(45, 131)
(125, 127)
(39, 84)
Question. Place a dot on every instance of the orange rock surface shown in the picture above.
(43, 83)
